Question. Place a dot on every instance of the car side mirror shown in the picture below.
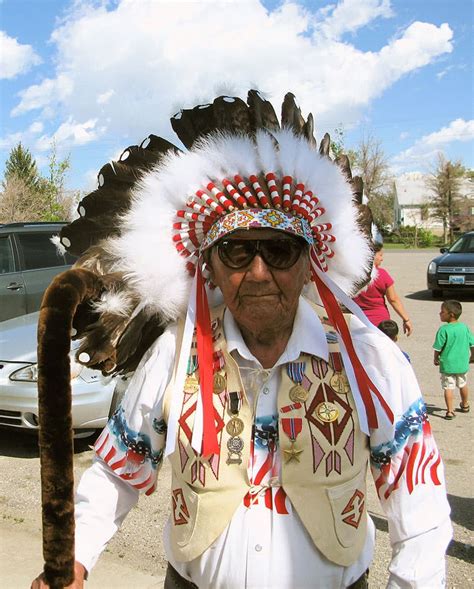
(443, 250)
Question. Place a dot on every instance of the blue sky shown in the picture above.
(97, 76)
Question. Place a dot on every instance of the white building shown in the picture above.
(412, 202)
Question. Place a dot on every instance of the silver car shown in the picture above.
(94, 397)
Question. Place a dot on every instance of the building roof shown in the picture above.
(412, 189)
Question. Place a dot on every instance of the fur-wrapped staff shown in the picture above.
(60, 302)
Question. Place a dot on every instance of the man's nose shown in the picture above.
(258, 269)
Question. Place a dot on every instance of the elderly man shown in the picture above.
(269, 404)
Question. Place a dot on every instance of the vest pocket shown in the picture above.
(348, 505)
(184, 510)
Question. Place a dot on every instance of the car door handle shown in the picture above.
(15, 286)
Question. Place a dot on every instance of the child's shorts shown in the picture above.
(450, 381)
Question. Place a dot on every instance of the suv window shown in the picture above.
(6, 255)
(39, 252)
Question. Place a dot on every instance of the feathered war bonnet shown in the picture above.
(140, 237)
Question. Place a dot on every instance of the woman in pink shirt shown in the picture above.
(373, 299)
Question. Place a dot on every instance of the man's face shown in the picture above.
(261, 297)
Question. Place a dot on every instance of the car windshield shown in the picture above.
(464, 244)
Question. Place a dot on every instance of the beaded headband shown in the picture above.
(284, 205)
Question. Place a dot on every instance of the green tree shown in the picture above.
(44, 199)
(57, 204)
(21, 164)
(444, 183)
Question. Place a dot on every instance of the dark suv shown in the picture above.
(28, 262)
(454, 269)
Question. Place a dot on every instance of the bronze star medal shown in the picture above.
(326, 412)
(292, 454)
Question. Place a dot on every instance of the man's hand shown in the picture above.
(78, 583)
(436, 358)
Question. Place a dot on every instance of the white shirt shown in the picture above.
(266, 545)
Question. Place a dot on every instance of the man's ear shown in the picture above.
(207, 257)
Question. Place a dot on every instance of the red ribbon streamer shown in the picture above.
(366, 386)
(210, 444)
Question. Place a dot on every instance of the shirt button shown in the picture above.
(266, 390)
(258, 548)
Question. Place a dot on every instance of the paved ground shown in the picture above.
(134, 559)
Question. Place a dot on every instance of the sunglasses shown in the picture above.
(276, 253)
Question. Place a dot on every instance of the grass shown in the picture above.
(402, 246)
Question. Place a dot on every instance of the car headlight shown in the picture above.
(432, 268)
(30, 373)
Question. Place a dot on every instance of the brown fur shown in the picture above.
(55, 435)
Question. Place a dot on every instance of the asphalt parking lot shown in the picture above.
(134, 559)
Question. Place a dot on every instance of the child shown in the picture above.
(390, 328)
(454, 349)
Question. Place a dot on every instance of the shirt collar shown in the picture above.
(308, 336)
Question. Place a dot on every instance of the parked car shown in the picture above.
(94, 397)
(453, 271)
(28, 262)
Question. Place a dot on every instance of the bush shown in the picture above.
(410, 236)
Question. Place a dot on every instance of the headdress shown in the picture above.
(141, 234)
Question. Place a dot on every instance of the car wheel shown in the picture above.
(436, 293)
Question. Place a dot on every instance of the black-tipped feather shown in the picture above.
(291, 114)
(325, 145)
(261, 112)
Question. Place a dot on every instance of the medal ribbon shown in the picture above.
(295, 371)
(336, 361)
(217, 363)
(292, 426)
(366, 386)
(210, 443)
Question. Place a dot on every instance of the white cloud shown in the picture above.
(15, 58)
(159, 56)
(349, 15)
(105, 97)
(36, 127)
(427, 148)
(46, 94)
(70, 133)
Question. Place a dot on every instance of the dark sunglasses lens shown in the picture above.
(280, 253)
(277, 253)
(235, 253)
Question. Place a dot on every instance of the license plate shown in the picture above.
(456, 280)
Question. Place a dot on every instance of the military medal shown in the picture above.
(191, 384)
(219, 383)
(326, 412)
(234, 427)
(292, 427)
(339, 383)
(295, 370)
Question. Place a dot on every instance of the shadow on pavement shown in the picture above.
(462, 508)
(435, 411)
(425, 295)
(25, 444)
